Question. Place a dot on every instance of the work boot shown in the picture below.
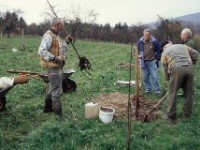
(62, 118)
(58, 111)
(48, 104)
(187, 115)
(172, 118)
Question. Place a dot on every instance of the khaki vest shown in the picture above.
(54, 50)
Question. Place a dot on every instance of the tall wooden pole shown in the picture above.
(129, 103)
(137, 85)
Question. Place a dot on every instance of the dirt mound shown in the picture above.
(119, 102)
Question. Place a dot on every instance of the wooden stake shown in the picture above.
(129, 105)
(137, 85)
(140, 79)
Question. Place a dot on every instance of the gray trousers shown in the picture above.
(181, 77)
(56, 89)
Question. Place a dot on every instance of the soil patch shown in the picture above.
(119, 102)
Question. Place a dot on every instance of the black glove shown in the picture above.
(63, 63)
(55, 59)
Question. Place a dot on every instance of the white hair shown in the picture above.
(55, 21)
(147, 30)
(187, 32)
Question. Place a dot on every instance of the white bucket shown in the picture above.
(91, 110)
(106, 114)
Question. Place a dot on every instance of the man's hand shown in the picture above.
(58, 59)
(139, 56)
(61, 58)
(68, 39)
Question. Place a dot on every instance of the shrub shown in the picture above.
(196, 39)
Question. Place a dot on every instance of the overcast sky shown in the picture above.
(109, 11)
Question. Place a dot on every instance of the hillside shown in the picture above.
(193, 18)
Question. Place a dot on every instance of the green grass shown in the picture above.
(24, 125)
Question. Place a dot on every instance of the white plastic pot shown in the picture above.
(91, 110)
(106, 114)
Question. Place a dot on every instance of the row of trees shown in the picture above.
(11, 22)
(121, 32)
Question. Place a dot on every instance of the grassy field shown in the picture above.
(24, 126)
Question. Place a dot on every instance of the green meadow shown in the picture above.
(24, 126)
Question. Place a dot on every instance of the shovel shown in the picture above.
(154, 107)
(164, 88)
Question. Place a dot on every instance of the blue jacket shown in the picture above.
(156, 48)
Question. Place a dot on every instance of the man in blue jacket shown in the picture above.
(149, 53)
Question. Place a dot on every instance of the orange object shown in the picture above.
(21, 79)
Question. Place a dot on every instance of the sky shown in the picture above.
(109, 11)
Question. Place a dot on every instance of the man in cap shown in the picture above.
(177, 62)
(51, 52)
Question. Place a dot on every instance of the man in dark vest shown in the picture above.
(51, 52)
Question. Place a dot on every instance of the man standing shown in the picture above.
(150, 53)
(51, 52)
(186, 37)
(177, 61)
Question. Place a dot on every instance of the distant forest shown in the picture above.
(163, 29)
